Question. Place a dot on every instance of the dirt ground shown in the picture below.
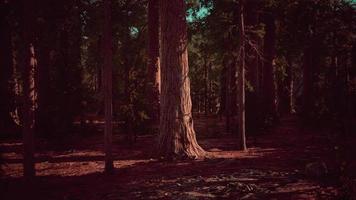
(285, 162)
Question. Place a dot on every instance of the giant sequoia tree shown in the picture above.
(177, 136)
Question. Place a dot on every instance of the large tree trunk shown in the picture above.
(241, 80)
(269, 86)
(177, 136)
(29, 64)
(153, 72)
(107, 69)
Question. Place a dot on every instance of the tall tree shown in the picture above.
(107, 69)
(241, 80)
(29, 64)
(153, 72)
(177, 137)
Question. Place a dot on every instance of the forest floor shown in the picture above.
(284, 162)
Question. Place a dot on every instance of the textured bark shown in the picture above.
(107, 69)
(153, 72)
(241, 81)
(29, 64)
(177, 136)
(268, 67)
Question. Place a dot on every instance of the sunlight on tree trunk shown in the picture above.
(177, 136)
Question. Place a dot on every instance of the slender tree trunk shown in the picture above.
(290, 88)
(177, 136)
(29, 64)
(307, 83)
(107, 69)
(223, 90)
(153, 72)
(241, 80)
(228, 109)
(269, 86)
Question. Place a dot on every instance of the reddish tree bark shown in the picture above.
(177, 135)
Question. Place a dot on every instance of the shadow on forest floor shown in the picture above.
(274, 167)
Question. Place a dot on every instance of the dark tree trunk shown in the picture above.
(290, 88)
(45, 31)
(107, 69)
(307, 103)
(228, 103)
(241, 81)
(153, 72)
(252, 58)
(6, 71)
(269, 86)
(177, 136)
(223, 90)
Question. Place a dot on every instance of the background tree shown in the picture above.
(107, 68)
(153, 65)
(29, 64)
(241, 81)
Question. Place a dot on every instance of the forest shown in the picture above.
(177, 99)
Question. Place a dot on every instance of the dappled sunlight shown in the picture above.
(67, 169)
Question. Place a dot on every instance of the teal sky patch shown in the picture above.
(199, 14)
